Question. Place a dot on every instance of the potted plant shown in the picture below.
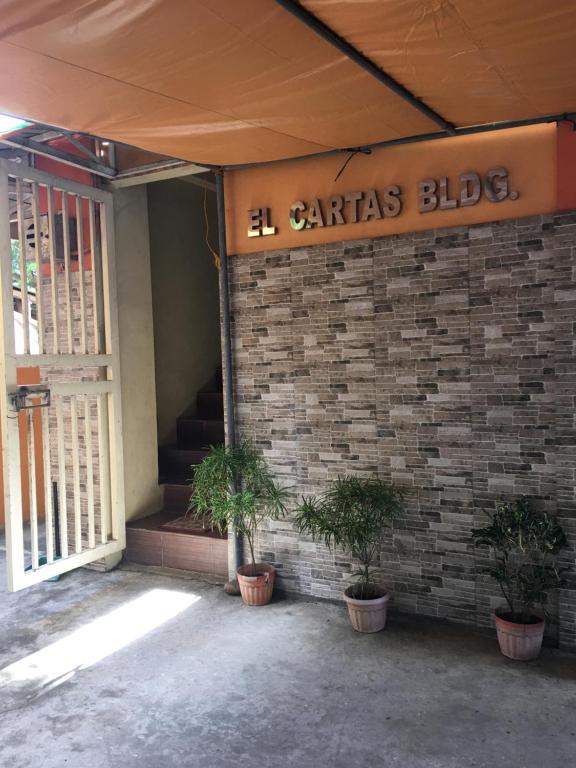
(353, 513)
(525, 543)
(233, 486)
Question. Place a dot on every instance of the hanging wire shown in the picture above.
(353, 152)
(215, 254)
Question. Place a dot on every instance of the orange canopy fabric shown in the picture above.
(474, 61)
(225, 82)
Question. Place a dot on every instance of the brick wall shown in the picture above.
(442, 360)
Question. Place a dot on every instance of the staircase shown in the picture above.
(154, 540)
(194, 435)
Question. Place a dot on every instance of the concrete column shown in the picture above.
(136, 331)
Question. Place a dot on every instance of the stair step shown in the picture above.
(199, 433)
(176, 497)
(210, 405)
(149, 542)
(217, 384)
(176, 463)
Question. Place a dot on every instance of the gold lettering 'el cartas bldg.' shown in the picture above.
(387, 202)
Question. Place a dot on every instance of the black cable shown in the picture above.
(353, 152)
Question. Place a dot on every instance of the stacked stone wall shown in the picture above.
(443, 361)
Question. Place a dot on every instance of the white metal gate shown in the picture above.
(59, 376)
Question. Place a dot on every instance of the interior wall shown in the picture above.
(185, 298)
(135, 325)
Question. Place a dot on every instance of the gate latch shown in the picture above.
(22, 398)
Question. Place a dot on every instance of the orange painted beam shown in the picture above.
(528, 155)
(28, 376)
(566, 167)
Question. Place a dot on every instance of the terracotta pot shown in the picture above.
(520, 642)
(367, 615)
(256, 583)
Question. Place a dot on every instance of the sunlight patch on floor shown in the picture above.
(58, 662)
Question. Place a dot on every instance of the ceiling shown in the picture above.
(221, 82)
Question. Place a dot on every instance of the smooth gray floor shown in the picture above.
(223, 685)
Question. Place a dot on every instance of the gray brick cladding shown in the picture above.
(442, 360)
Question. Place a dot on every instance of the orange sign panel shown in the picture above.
(350, 196)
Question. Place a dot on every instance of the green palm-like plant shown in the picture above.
(525, 543)
(233, 486)
(353, 513)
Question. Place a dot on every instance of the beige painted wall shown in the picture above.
(142, 492)
(185, 298)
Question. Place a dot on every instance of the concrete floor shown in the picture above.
(225, 686)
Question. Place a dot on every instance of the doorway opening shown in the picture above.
(189, 400)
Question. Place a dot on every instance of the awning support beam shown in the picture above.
(363, 61)
(466, 131)
(47, 150)
(78, 144)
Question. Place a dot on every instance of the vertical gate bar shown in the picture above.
(104, 464)
(118, 528)
(53, 270)
(9, 433)
(23, 275)
(48, 512)
(32, 490)
(81, 277)
(56, 518)
(68, 290)
(95, 276)
(38, 249)
(89, 472)
(76, 475)
(62, 502)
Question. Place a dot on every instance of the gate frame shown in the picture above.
(10, 361)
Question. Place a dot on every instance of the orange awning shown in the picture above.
(227, 82)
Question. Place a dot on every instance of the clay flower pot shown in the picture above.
(367, 615)
(520, 642)
(256, 583)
